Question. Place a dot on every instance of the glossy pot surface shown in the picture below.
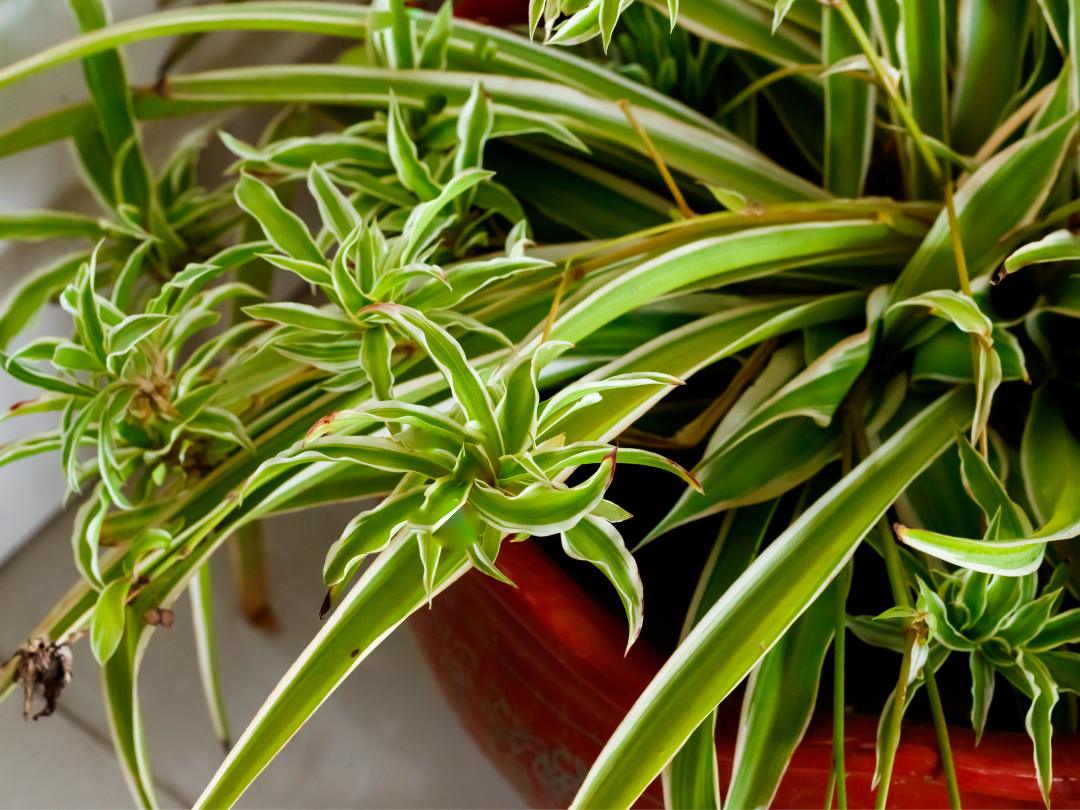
(537, 676)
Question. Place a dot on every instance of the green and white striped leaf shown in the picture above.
(762, 604)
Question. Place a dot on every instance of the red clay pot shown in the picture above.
(537, 676)
(493, 12)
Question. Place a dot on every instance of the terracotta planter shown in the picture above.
(493, 12)
(538, 677)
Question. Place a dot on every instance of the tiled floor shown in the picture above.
(384, 739)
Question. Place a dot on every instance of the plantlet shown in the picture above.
(842, 232)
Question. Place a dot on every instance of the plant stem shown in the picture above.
(657, 158)
(898, 582)
(839, 642)
(921, 144)
(769, 78)
(890, 87)
(556, 301)
(954, 236)
(894, 566)
(944, 747)
(892, 734)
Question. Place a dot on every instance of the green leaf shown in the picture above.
(443, 499)
(990, 53)
(595, 540)
(399, 43)
(131, 331)
(932, 606)
(921, 39)
(693, 148)
(510, 122)
(762, 604)
(468, 278)
(1048, 444)
(957, 308)
(766, 470)
(691, 779)
(29, 295)
(982, 692)
(335, 209)
(378, 411)
(989, 493)
(849, 108)
(1037, 721)
(585, 393)
(543, 509)
(1028, 620)
(107, 82)
(434, 46)
(200, 589)
(423, 223)
(573, 455)
(285, 230)
(377, 452)
(781, 694)
(691, 347)
(125, 717)
(387, 592)
(34, 226)
(724, 259)
(75, 432)
(475, 122)
(517, 409)
(411, 171)
(1064, 628)
(376, 357)
(780, 10)
(107, 626)
(1006, 192)
(369, 532)
(344, 278)
(86, 537)
(609, 15)
(1059, 246)
(112, 475)
(311, 272)
(446, 353)
(301, 315)
(87, 318)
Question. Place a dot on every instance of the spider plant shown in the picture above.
(498, 260)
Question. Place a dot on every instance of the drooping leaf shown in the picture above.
(760, 606)
(1048, 444)
(781, 694)
(206, 650)
(543, 509)
(1037, 721)
(595, 540)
